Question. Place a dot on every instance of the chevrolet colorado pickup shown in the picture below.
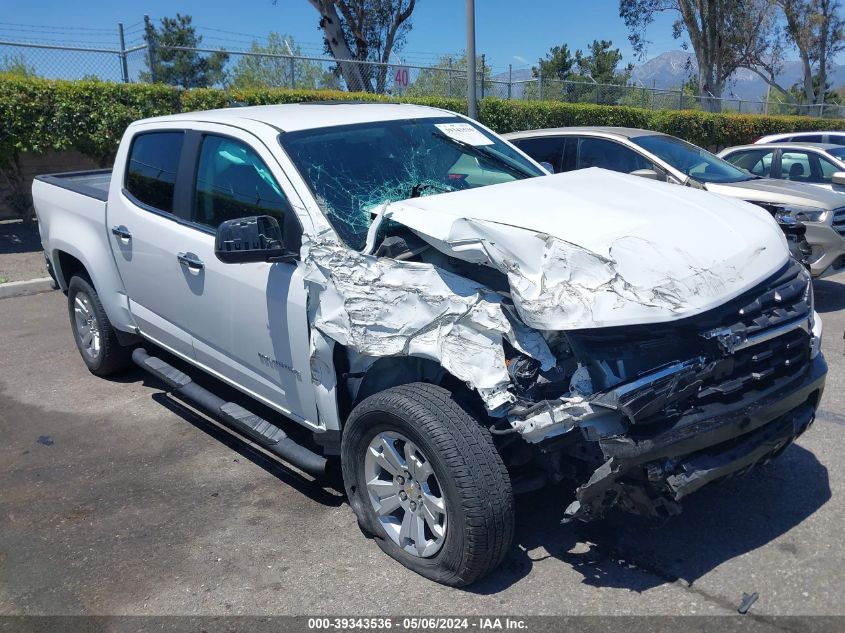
(453, 323)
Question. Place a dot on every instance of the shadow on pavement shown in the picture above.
(719, 523)
(327, 490)
(17, 237)
(829, 295)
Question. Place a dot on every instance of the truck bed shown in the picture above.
(93, 183)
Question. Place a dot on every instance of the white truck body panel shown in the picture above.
(75, 224)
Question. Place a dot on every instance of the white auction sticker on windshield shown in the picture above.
(463, 132)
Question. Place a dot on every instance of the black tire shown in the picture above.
(472, 477)
(111, 357)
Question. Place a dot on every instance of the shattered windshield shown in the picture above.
(353, 169)
(691, 160)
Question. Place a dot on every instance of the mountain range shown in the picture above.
(670, 70)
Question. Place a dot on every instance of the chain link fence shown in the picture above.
(250, 69)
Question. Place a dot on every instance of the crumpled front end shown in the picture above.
(676, 406)
(639, 364)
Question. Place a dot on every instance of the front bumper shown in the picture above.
(649, 470)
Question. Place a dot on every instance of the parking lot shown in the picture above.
(114, 499)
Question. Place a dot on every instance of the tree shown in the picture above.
(602, 64)
(364, 30)
(16, 66)
(817, 30)
(724, 34)
(450, 82)
(599, 65)
(272, 66)
(558, 64)
(170, 64)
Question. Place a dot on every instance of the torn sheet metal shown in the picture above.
(555, 417)
(382, 307)
(576, 256)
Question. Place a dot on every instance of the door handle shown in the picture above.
(122, 232)
(190, 260)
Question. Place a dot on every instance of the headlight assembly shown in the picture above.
(801, 214)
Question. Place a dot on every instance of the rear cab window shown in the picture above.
(150, 177)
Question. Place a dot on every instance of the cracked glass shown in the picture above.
(353, 169)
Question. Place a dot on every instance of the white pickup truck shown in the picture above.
(454, 323)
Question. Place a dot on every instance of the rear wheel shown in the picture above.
(93, 332)
(425, 480)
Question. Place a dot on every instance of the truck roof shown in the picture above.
(309, 115)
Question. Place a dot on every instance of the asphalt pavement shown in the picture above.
(116, 500)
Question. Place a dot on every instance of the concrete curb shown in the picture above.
(23, 288)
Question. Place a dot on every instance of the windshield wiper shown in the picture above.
(480, 151)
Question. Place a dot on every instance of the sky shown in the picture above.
(516, 32)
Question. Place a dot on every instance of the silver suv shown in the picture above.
(669, 159)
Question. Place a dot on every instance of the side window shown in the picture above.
(233, 182)
(808, 138)
(836, 139)
(800, 167)
(758, 161)
(151, 169)
(828, 169)
(544, 149)
(599, 152)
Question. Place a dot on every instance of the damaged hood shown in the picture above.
(779, 192)
(595, 248)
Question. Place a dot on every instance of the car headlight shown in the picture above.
(815, 321)
(800, 213)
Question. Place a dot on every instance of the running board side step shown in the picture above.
(259, 430)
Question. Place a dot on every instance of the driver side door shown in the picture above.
(248, 321)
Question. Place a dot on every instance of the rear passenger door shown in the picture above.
(145, 234)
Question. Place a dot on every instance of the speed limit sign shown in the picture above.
(401, 78)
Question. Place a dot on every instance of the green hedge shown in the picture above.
(39, 115)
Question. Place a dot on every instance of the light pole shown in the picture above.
(472, 106)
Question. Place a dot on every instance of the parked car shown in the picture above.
(402, 283)
(812, 219)
(818, 164)
(834, 137)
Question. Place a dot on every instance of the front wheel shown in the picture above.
(425, 480)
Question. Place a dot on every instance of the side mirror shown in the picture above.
(646, 173)
(838, 178)
(547, 166)
(253, 239)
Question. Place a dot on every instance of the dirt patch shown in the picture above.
(21, 255)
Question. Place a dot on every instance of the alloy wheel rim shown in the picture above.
(405, 494)
(87, 326)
